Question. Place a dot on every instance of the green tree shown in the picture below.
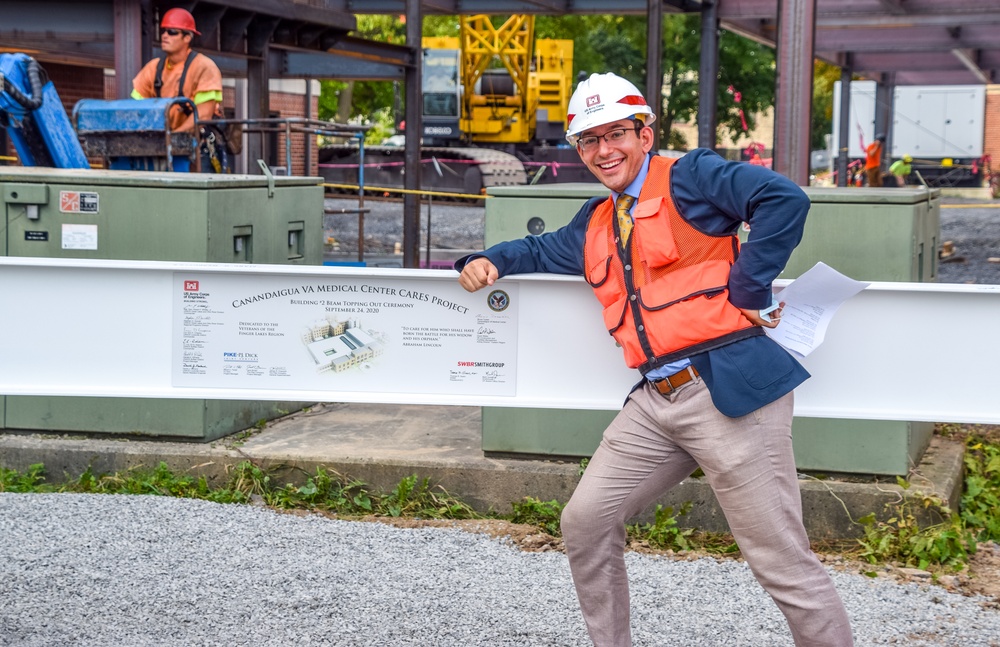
(745, 67)
(370, 102)
(601, 43)
(824, 76)
(748, 68)
(606, 43)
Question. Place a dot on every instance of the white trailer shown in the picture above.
(940, 126)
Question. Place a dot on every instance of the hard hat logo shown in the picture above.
(594, 100)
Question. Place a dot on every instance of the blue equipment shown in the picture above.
(134, 135)
(33, 114)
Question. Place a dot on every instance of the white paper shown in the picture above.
(810, 303)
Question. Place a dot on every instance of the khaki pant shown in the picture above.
(652, 445)
(874, 176)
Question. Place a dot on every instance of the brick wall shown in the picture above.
(74, 83)
(294, 105)
(991, 125)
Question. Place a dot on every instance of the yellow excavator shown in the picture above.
(494, 111)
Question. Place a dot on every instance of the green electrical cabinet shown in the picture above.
(81, 213)
(871, 234)
(867, 234)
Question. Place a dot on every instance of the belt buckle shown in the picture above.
(664, 386)
(670, 385)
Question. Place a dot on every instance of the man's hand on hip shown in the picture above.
(478, 273)
(755, 317)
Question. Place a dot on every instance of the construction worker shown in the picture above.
(184, 72)
(873, 160)
(688, 307)
(901, 168)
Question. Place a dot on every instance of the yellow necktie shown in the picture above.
(622, 205)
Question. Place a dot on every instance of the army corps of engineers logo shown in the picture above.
(498, 300)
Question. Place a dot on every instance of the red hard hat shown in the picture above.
(178, 18)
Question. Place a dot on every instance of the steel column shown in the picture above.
(240, 111)
(128, 45)
(654, 64)
(884, 92)
(414, 126)
(708, 72)
(258, 107)
(793, 94)
(308, 143)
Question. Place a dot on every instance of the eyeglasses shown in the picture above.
(171, 32)
(614, 136)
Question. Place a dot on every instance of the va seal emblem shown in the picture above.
(498, 300)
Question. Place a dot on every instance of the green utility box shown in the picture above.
(871, 234)
(867, 234)
(82, 213)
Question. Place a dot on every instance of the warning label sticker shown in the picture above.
(79, 202)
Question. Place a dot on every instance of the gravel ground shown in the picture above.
(453, 227)
(82, 570)
(974, 231)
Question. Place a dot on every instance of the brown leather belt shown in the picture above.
(671, 383)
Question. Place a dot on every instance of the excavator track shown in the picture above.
(455, 170)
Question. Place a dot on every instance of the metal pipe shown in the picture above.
(430, 201)
(843, 145)
(361, 197)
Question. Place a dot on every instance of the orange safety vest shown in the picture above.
(873, 155)
(666, 296)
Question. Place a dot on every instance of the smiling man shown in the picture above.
(688, 306)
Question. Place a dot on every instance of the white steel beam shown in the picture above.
(897, 351)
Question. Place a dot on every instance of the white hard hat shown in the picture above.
(602, 99)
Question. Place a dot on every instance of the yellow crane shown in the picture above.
(493, 110)
(511, 90)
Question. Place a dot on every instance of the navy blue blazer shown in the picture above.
(715, 196)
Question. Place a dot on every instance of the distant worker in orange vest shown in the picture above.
(184, 72)
(873, 161)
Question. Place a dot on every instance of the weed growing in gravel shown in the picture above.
(30, 481)
(665, 532)
(950, 542)
(900, 538)
(326, 491)
(544, 514)
(981, 497)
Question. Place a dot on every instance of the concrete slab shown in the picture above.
(382, 444)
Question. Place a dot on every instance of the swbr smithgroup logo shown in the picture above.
(593, 101)
(190, 286)
(498, 300)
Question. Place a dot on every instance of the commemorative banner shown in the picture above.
(343, 333)
(156, 329)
